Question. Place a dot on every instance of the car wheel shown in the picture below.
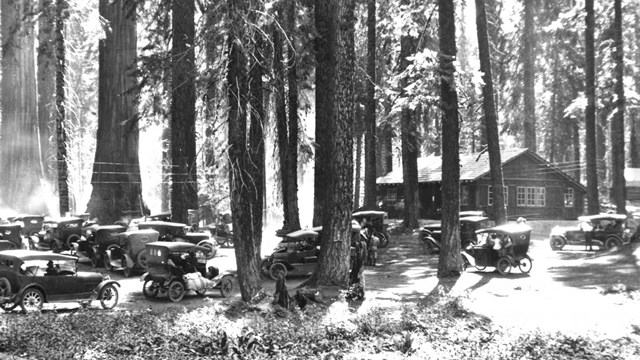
(612, 242)
(211, 250)
(276, 270)
(8, 306)
(95, 261)
(150, 289)
(480, 268)
(429, 249)
(176, 290)
(71, 239)
(557, 243)
(525, 265)
(384, 238)
(504, 265)
(54, 246)
(265, 265)
(108, 297)
(31, 300)
(141, 259)
(221, 240)
(226, 286)
(127, 271)
(5, 287)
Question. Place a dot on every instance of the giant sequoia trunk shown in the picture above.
(333, 261)
(529, 79)
(325, 92)
(21, 179)
(449, 263)
(490, 117)
(61, 133)
(618, 183)
(117, 190)
(593, 201)
(46, 85)
(293, 128)
(184, 186)
(370, 111)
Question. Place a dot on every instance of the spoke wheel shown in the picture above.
(107, 264)
(32, 300)
(384, 238)
(141, 259)
(8, 306)
(612, 242)
(176, 291)
(127, 271)
(265, 265)
(5, 290)
(276, 269)
(150, 289)
(210, 252)
(525, 265)
(226, 287)
(556, 243)
(504, 266)
(108, 297)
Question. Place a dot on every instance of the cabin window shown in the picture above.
(490, 195)
(392, 194)
(531, 196)
(568, 197)
(464, 195)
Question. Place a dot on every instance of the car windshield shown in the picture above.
(48, 267)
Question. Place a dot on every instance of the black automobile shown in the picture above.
(602, 230)
(430, 234)
(58, 234)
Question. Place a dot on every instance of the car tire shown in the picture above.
(8, 306)
(5, 287)
(176, 290)
(31, 300)
(384, 238)
(108, 297)
(211, 251)
(95, 261)
(226, 286)
(141, 259)
(504, 266)
(150, 289)
(557, 243)
(429, 248)
(276, 269)
(71, 239)
(525, 265)
(480, 268)
(127, 271)
(265, 265)
(612, 242)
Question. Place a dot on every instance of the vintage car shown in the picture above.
(10, 236)
(222, 233)
(31, 278)
(602, 230)
(375, 220)
(430, 234)
(31, 224)
(177, 267)
(129, 253)
(57, 234)
(297, 253)
(171, 231)
(502, 247)
(95, 241)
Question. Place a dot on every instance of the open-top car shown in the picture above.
(172, 231)
(95, 241)
(430, 235)
(31, 278)
(177, 267)
(10, 236)
(130, 253)
(602, 230)
(297, 253)
(502, 247)
(58, 234)
(374, 220)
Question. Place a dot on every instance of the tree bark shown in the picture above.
(593, 201)
(293, 128)
(46, 86)
(21, 163)
(184, 186)
(634, 140)
(281, 125)
(619, 197)
(117, 190)
(370, 111)
(449, 263)
(529, 78)
(490, 117)
(325, 93)
(333, 261)
(60, 116)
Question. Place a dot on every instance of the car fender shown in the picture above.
(430, 239)
(470, 259)
(130, 262)
(31, 285)
(219, 278)
(105, 283)
(144, 277)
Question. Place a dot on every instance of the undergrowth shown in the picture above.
(437, 328)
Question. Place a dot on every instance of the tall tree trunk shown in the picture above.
(293, 128)
(634, 146)
(575, 137)
(21, 181)
(593, 201)
(281, 125)
(370, 111)
(449, 263)
(117, 190)
(46, 86)
(619, 197)
(184, 190)
(529, 78)
(333, 261)
(409, 138)
(490, 117)
(61, 135)
(240, 182)
(325, 93)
